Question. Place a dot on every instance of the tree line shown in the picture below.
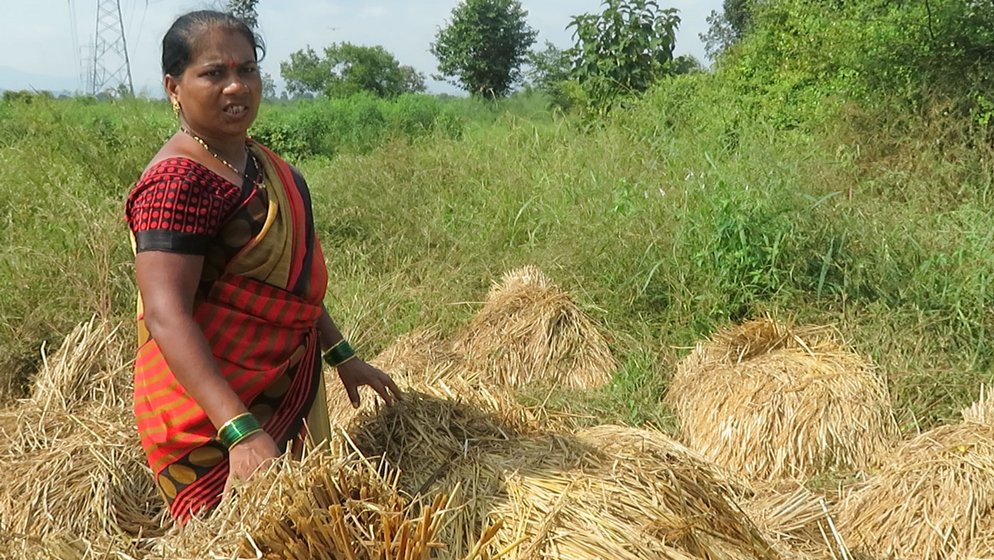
(486, 49)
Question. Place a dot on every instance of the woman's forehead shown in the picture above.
(222, 45)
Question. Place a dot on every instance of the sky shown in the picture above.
(45, 42)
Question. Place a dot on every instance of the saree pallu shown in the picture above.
(259, 317)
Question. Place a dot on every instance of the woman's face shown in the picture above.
(220, 90)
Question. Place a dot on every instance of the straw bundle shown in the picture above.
(766, 401)
(88, 367)
(80, 473)
(322, 507)
(982, 411)
(424, 436)
(414, 353)
(530, 331)
(929, 497)
(799, 524)
(622, 505)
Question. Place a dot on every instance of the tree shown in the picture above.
(347, 69)
(245, 11)
(483, 47)
(624, 49)
(727, 27)
(549, 71)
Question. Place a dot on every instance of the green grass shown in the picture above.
(665, 222)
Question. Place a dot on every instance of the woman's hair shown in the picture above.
(179, 42)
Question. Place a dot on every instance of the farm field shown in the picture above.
(821, 258)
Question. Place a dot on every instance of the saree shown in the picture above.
(262, 290)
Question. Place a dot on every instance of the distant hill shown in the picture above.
(11, 79)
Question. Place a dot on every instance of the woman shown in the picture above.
(231, 282)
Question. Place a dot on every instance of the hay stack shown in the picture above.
(774, 402)
(321, 507)
(799, 524)
(89, 367)
(530, 331)
(79, 473)
(75, 475)
(414, 353)
(620, 503)
(929, 498)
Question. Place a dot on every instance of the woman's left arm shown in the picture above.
(355, 372)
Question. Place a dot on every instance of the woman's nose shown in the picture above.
(235, 84)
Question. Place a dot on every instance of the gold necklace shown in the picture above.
(211, 150)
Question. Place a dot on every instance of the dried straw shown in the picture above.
(982, 411)
(323, 507)
(774, 402)
(631, 493)
(530, 331)
(414, 353)
(81, 473)
(929, 498)
(88, 367)
(796, 523)
(982, 545)
(626, 503)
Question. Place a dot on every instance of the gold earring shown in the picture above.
(176, 107)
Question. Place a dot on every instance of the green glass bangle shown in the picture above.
(238, 428)
(339, 354)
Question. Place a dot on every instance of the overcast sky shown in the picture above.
(44, 42)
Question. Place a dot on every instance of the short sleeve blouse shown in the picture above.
(179, 205)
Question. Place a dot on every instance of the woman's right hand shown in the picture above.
(251, 454)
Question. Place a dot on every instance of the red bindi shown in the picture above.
(232, 64)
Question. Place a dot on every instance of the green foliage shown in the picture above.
(550, 71)
(727, 27)
(245, 11)
(624, 49)
(348, 69)
(484, 45)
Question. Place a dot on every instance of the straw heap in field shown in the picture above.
(774, 402)
(982, 546)
(70, 455)
(929, 498)
(323, 507)
(88, 368)
(530, 331)
(414, 353)
(645, 503)
(80, 473)
(799, 523)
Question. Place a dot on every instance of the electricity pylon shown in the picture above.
(111, 66)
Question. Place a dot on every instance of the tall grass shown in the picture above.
(664, 221)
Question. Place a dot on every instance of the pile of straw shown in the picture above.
(414, 353)
(799, 524)
(322, 507)
(774, 402)
(75, 475)
(530, 331)
(606, 492)
(81, 473)
(930, 497)
(620, 503)
(89, 367)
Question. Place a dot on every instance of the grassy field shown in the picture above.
(665, 220)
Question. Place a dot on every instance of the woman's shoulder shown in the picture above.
(184, 173)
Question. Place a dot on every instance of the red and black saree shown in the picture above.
(258, 305)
